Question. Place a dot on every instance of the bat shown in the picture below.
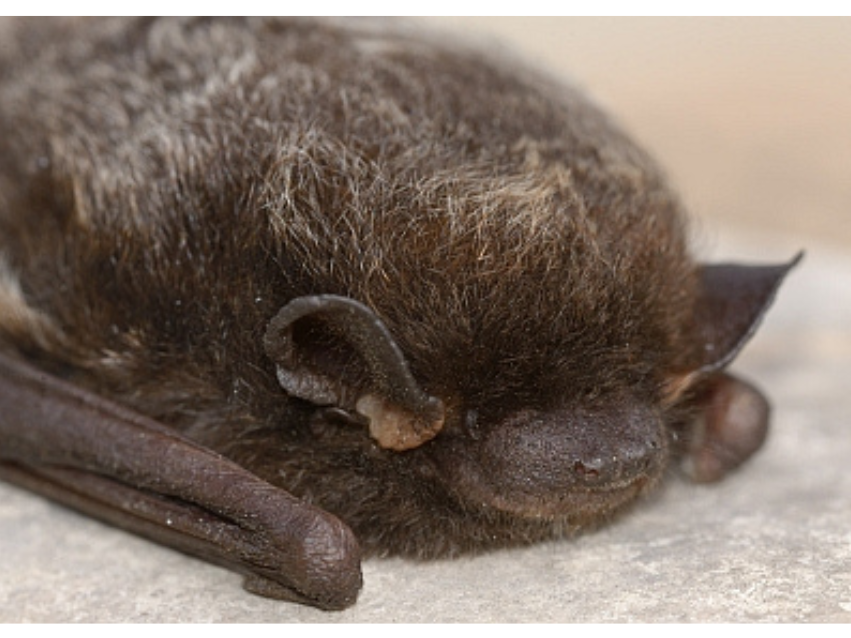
(285, 294)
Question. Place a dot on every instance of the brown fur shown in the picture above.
(166, 186)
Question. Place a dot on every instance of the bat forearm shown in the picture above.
(122, 467)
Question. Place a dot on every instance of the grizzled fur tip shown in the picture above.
(421, 289)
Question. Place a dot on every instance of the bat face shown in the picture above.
(356, 275)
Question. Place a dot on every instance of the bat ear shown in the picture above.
(732, 300)
(334, 351)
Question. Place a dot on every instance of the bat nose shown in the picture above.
(620, 463)
(550, 453)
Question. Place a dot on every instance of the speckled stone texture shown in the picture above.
(770, 543)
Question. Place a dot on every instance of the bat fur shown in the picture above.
(166, 186)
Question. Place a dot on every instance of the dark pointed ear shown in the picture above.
(731, 303)
(335, 352)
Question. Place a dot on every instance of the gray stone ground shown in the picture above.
(771, 543)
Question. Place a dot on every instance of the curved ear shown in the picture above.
(731, 303)
(334, 351)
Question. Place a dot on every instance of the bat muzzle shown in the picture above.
(569, 463)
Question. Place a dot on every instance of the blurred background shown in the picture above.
(751, 117)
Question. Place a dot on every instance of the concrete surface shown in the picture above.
(758, 137)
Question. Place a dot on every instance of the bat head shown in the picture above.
(476, 292)
(576, 447)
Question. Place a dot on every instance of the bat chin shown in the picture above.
(576, 503)
(578, 506)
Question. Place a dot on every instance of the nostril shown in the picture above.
(629, 464)
(585, 472)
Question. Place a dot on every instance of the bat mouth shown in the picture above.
(576, 505)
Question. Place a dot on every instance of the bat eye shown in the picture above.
(368, 374)
(471, 424)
